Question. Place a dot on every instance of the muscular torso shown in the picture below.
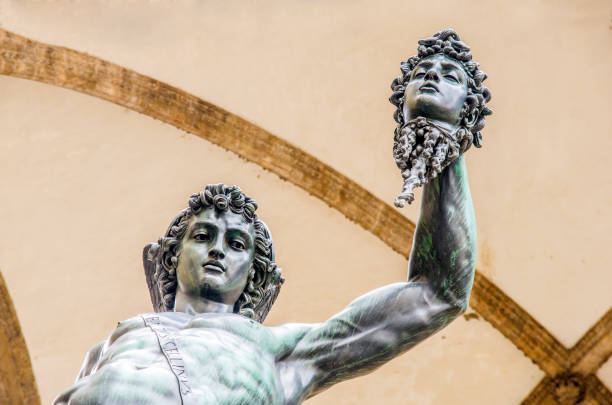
(228, 360)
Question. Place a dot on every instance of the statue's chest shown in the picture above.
(223, 364)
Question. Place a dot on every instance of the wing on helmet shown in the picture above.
(148, 261)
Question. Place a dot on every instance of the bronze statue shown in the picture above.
(213, 279)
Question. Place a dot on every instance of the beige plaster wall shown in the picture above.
(86, 184)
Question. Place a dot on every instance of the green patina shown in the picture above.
(459, 172)
(453, 258)
(436, 185)
(425, 247)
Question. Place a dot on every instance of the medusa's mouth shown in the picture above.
(429, 87)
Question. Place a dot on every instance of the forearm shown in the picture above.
(444, 249)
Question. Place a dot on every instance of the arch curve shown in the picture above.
(17, 382)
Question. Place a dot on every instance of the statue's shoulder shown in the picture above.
(91, 360)
(288, 335)
(125, 326)
(139, 321)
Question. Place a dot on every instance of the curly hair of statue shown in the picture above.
(439, 147)
(264, 279)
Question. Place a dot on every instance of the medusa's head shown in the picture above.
(216, 249)
(442, 83)
(441, 105)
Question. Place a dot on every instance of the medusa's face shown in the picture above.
(437, 90)
(216, 256)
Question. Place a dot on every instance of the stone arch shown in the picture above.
(17, 382)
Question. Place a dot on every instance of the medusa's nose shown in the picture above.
(432, 75)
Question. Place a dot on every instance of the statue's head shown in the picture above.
(443, 84)
(217, 248)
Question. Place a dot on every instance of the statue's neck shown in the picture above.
(198, 305)
(451, 129)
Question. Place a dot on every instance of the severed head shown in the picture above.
(441, 108)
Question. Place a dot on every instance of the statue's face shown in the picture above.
(216, 256)
(437, 90)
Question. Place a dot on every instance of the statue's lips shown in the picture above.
(429, 87)
(214, 265)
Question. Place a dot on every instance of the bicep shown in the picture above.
(369, 332)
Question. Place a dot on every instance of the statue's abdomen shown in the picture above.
(131, 371)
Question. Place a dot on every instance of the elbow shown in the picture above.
(450, 312)
(455, 304)
(458, 296)
(448, 307)
(458, 304)
(461, 306)
(455, 309)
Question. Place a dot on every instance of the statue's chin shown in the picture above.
(211, 285)
(432, 106)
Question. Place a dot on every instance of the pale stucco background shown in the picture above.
(85, 183)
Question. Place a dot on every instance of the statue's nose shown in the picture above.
(216, 253)
(432, 75)
(216, 249)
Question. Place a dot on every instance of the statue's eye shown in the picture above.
(202, 237)
(237, 245)
(419, 74)
(452, 78)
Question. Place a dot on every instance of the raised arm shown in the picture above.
(444, 250)
(385, 322)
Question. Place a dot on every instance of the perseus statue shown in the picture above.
(213, 278)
